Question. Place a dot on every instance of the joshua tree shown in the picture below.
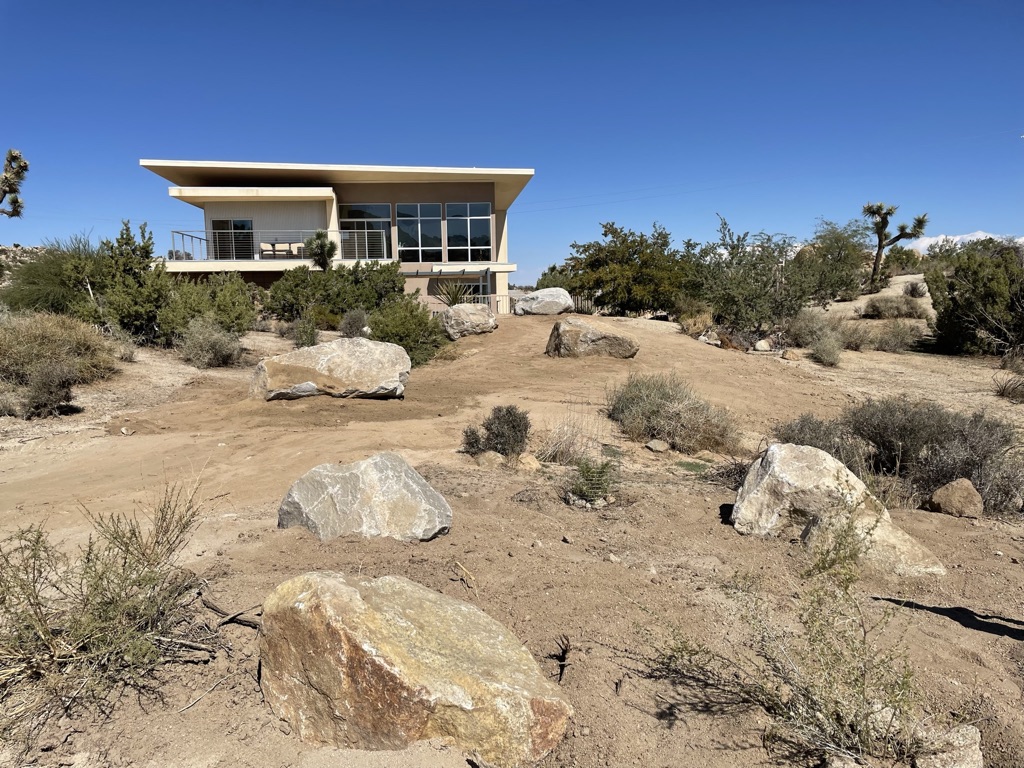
(879, 214)
(15, 168)
(321, 250)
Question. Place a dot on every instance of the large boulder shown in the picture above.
(341, 368)
(959, 498)
(804, 485)
(380, 496)
(546, 301)
(572, 337)
(461, 320)
(382, 663)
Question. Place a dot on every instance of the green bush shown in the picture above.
(472, 441)
(362, 286)
(406, 321)
(55, 281)
(593, 479)
(660, 406)
(354, 323)
(896, 336)
(890, 307)
(977, 290)
(506, 431)
(305, 332)
(205, 344)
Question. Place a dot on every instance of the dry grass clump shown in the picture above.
(808, 327)
(916, 289)
(205, 344)
(839, 684)
(1010, 386)
(73, 628)
(827, 349)
(908, 449)
(892, 307)
(660, 406)
(42, 356)
(568, 442)
(693, 315)
(895, 336)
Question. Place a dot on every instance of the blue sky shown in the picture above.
(772, 114)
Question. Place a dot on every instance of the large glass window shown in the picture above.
(365, 230)
(232, 238)
(469, 231)
(419, 231)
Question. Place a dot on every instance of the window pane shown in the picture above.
(458, 254)
(242, 225)
(479, 209)
(480, 231)
(407, 210)
(408, 255)
(366, 211)
(481, 254)
(431, 255)
(220, 225)
(430, 210)
(408, 234)
(430, 231)
(458, 233)
(456, 210)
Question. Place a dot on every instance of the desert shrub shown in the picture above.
(406, 321)
(660, 406)
(1013, 360)
(891, 307)
(827, 349)
(321, 317)
(506, 430)
(304, 331)
(73, 628)
(567, 442)
(693, 315)
(451, 292)
(593, 479)
(911, 448)
(840, 686)
(896, 336)
(205, 344)
(1010, 386)
(353, 324)
(855, 336)
(55, 280)
(365, 286)
(472, 441)
(804, 328)
(916, 289)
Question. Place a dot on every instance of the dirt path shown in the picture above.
(163, 422)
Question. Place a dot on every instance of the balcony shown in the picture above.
(272, 244)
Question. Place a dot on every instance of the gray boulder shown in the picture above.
(342, 368)
(572, 337)
(380, 496)
(804, 485)
(461, 320)
(546, 301)
(382, 663)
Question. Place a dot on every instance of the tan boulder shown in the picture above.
(959, 498)
(804, 485)
(467, 319)
(572, 337)
(382, 663)
(957, 748)
(342, 368)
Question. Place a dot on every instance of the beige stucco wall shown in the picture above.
(272, 215)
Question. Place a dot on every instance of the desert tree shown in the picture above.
(321, 250)
(834, 260)
(879, 214)
(15, 168)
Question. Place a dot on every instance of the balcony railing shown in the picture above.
(267, 244)
(500, 304)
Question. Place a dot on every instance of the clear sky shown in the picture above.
(771, 113)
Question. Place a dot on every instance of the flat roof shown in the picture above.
(508, 182)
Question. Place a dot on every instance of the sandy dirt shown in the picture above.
(540, 567)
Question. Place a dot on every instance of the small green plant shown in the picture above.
(506, 431)
(661, 406)
(827, 349)
(205, 344)
(321, 250)
(305, 332)
(593, 479)
(75, 628)
(893, 307)
(451, 293)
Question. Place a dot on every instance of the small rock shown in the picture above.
(538, 544)
(599, 504)
(612, 558)
(584, 731)
(790, 354)
(489, 459)
(658, 446)
(763, 346)
(528, 463)
(567, 539)
(997, 553)
(959, 498)
(957, 748)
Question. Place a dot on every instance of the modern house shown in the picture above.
(440, 224)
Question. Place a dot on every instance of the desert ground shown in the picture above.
(617, 581)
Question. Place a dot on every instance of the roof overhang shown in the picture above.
(508, 182)
(199, 195)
